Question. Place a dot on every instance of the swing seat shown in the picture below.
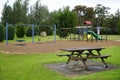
(20, 40)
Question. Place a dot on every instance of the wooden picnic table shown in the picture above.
(84, 54)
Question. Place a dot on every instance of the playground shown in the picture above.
(36, 55)
(48, 47)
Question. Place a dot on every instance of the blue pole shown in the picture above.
(55, 33)
(32, 33)
(6, 34)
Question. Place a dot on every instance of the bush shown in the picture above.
(20, 30)
(11, 32)
(36, 30)
(29, 31)
(47, 29)
(2, 33)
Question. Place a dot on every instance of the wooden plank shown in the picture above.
(91, 57)
(80, 49)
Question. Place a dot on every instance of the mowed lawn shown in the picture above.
(51, 38)
(31, 67)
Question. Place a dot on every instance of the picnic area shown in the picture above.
(74, 42)
(32, 61)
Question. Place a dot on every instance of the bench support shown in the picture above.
(105, 64)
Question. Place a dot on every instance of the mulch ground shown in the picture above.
(49, 47)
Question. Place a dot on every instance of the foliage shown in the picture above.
(101, 13)
(1, 33)
(11, 32)
(118, 26)
(66, 19)
(38, 13)
(48, 29)
(20, 11)
(53, 18)
(89, 14)
(29, 31)
(20, 30)
(7, 14)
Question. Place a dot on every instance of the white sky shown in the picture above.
(56, 4)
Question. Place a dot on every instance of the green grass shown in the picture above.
(29, 39)
(113, 37)
(31, 67)
(51, 38)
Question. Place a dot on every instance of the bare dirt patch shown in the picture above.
(49, 47)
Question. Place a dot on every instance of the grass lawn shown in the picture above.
(51, 38)
(31, 67)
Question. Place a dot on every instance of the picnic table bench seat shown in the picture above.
(91, 57)
(84, 58)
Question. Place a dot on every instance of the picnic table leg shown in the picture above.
(105, 64)
(68, 60)
(80, 54)
(86, 68)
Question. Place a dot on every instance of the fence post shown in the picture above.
(32, 33)
(55, 33)
(6, 34)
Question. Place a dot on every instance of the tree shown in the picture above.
(25, 10)
(80, 13)
(2, 33)
(66, 18)
(117, 15)
(118, 26)
(53, 18)
(20, 11)
(7, 14)
(38, 13)
(101, 13)
(89, 14)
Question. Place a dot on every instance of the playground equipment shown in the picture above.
(23, 40)
(90, 33)
(95, 35)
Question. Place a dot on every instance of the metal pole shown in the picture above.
(6, 34)
(55, 33)
(32, 33)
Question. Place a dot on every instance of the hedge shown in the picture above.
(11, 32)
(2, 33)
(20, 30)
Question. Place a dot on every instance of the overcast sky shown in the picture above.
(56, 4)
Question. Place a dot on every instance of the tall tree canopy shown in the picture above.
(38, 13)
(101, 13)
(67, 18)
(7, 14)
(20, 10)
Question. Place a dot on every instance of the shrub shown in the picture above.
(47, 29)
(11, 32)
(20, 30)
(29, 31)
(2, 33)
(36, 30)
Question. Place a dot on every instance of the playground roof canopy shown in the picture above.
(80, 27)
(88, 22)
